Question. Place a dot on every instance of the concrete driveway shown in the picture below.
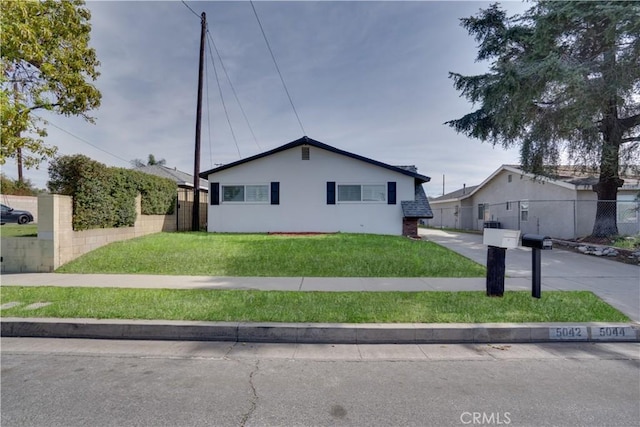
(614, 282)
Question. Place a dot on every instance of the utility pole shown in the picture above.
(195, 220)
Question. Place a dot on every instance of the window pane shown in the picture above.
(233, 193)
(257, 193)
(373, 193)
(349, 193)
(627, 209)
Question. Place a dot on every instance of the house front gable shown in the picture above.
(308, 188)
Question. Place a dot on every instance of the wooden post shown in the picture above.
(495, 271)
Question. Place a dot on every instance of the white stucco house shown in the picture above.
(309, 186)
(563, 206)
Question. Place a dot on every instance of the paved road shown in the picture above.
(615, 282)
(113, 383)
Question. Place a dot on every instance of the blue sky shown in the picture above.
(366, 77)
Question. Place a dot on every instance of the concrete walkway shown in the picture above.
(616, 283)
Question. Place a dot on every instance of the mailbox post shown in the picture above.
(498, 241)
(537, 243)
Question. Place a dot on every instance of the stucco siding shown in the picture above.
(303, 196)
(550, 207)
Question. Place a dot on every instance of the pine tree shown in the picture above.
(564, 79)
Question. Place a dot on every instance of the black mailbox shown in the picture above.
(537, 241)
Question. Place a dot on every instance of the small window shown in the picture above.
(509, 206)
(245, 193)
(509, 178)
(233, 193)
(481, 211)
(349, 193)
(362, 193)
(524, 211)
(305, 153)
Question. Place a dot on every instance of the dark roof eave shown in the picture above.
(308, 141)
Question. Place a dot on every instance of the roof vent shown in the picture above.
(305, 153)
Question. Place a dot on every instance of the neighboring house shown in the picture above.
(184, 183)
(562, 207)
(309, 186)
(182, 179)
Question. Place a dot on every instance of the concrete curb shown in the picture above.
(321, 333)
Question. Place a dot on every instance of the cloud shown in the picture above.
(366, 77)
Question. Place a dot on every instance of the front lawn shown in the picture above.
(17, 230)
(262, 255)
(308, 307)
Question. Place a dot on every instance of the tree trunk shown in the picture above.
(19, 161)
(606, 224)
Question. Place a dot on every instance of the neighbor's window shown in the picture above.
(509, 206)
(627, 209)
(362, 193)
(481, 211)
(245, 193)
(524, 210)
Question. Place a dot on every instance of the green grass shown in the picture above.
(627, 242)
(262, 255)
(277, 306)
(16, 230)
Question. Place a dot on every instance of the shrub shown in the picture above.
(14, 187)
(104, 197)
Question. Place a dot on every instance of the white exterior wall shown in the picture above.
(303, 196)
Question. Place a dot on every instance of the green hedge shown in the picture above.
(105, 197)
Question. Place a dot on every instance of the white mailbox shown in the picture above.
(500, 238)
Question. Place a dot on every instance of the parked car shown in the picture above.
(8, 214)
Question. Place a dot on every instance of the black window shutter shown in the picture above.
(275, 193)
(215, 193)
(391, 193)
(331, 193)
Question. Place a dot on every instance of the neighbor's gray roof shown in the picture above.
(312, 142)
(418, 208)
(183, 179)
(456, 194)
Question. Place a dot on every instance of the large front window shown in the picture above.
(245, 193)
(362, 193)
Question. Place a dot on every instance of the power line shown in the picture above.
(188, 7)
(224, 105)
(235, 94)
(80, 139)
(277, 68)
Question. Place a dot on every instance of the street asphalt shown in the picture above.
(616, 283)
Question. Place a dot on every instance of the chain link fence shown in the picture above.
(563, 219)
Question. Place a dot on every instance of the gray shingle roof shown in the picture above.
(182, 179)
(456, 194)
(418, 208)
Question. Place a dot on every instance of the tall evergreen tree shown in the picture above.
(564, 79)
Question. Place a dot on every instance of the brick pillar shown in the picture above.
(410, 227)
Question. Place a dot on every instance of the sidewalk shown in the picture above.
(616, 283)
